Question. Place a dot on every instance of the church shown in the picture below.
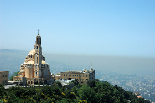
(34, 70)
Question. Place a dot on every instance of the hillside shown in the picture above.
(96, 92)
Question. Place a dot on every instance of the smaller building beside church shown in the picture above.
(4, 77)
(82, 76)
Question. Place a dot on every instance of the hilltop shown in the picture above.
(96, 92)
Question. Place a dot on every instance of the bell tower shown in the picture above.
(38, 39)
(38, 54)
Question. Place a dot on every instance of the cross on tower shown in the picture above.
(38, 31)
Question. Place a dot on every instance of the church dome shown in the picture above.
(32, 52)
(29, 62)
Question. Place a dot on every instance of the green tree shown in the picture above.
(58, 83)
(2, 91)
(74, 89)
(87, 93)
(15, 74)
(92, 83)
(76, 82)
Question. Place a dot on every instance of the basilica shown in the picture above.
(34, 70)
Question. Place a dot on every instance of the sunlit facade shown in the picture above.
(34, 69)
(81, 76)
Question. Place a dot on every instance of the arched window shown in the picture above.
(36, 73)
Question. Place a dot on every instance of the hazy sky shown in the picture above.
(100, 27)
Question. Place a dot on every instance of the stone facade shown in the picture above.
(35, 69)
(4, 77)
(81, 76)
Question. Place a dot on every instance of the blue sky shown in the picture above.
(93, 27)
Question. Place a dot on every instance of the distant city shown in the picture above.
(145, 85)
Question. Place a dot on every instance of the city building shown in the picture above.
(81, 76)
(4, 77)
(34, 70)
